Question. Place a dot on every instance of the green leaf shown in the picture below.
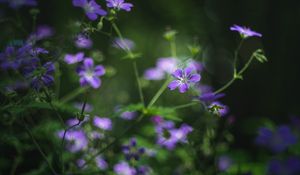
(259, 55)
(165, 112)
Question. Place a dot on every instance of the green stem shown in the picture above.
(236, 75)
(173, 48)
(57, 80)
(138, 83)
(127, 50)
(158, 94)
(236, 52)
(185, 105)
(73, 94)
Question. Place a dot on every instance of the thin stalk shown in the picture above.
(158, 94)
(173, 48)
(185, 105)
(236, 54)
(73, 94)
(138, 83)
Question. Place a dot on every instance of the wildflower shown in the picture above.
(210, 97)
(289, 166)
(131, 150)
(218, 108)
(128, 115)
(244, 31)
(123, 168)
(71, 59)
(168, 64)
(168, 136)
(224, 162)
(184, 79)
(154, 74)
(15, 4)
(83, 41)
(123, 43)
(77, 140)
(101, 163)
(119, 5)
(196, 65)
(91, 8)
(42, 76)
(90, 74)
(102, 123)
(278, 140)
(12, 57)
(42, 32)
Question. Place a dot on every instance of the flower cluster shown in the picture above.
(94, 10)
(168, 135)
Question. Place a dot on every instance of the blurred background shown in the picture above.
(268, 90)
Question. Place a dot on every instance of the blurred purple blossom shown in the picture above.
(83, 41)
(89, 75)
(102, 123)
(119, 5)
(74, 58)
(154, 74)
(76, 140)
(44, 78)
(184, 79)
(91, 8)
(224, 162)
(163, 67)
(15, 4)
(101, 163)
(290, 166)
(79, 105)
(123, 168)
(208, 98)
(168, 136)
(42, 32)
(244, 31)
(13, 57)
(277, 140)
(128, 115)
(123, 43)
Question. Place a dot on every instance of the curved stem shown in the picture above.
(185, 105)
(73, 94)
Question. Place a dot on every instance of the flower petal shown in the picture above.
(174, 84)
(99, 70)
(194, 78)
(88, 63)
(183, 87)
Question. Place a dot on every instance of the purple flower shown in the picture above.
(77, 140)
(154, 74)
(168, 65)
(123, 168)
(83, 41)
(196, 65)
(290, 166)
(119, 5)
(244, 31)
(12, 57)
(128, 115)
(90, 74)
(42, 76)
(101, 163)
(131, 150)
(91, 8)
(168, 136)
(76, 58)
(15, 4)
(278, 140)
(210, 97)
(224, 162)
(42, 32)
(124, 44)
(102, 123)
(184, 79)
(218, 108)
